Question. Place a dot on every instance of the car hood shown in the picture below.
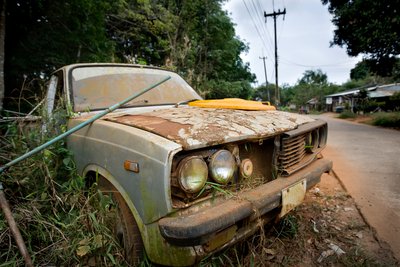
(194, 127)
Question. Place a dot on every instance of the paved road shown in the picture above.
(367, 161)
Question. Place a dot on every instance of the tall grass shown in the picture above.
(62, 222)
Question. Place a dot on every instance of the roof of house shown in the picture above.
(395, 87)
(350, 92)
(312, 101)
(373, 92)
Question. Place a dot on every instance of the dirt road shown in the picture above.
(367, 161)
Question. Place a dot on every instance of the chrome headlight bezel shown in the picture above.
(222, 166)
(192, 174)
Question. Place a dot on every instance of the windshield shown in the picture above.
(99, 87)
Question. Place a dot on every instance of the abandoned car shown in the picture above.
(189, 177)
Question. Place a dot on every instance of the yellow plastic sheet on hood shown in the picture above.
(232, 103)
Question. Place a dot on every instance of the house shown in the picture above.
(349, 98)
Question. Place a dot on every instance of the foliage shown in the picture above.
(394, 101)
(365, 104)
(360, 71)
(288, 227)
(139, 30)
(194, 38)
(312, 85)
(264, 91)
(314, 77)
(368, 27)
(44, 35)
(364, 83)
(223, 89)
(346, 114)
(204, 49)
(367, 69)
(387, 119)
(61, 221)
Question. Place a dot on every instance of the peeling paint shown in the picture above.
(194, 127)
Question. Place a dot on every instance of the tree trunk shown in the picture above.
(2, 35)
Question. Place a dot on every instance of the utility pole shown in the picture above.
(275, 14)
(266, 81)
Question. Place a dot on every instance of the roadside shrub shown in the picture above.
(394, 102)
(346, 115)
(387, 119)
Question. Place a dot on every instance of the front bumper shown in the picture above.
(203, 225)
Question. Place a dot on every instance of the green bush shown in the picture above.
(387, 119)
(346, 115)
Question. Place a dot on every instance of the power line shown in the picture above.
(259, 25)
(257, 7)
(289, 62)
(255, 25)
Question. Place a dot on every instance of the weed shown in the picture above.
(288, 227)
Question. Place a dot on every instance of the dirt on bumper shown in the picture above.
(199, 227)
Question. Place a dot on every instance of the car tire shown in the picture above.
(123, 224)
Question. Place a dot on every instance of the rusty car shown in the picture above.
(189, 177)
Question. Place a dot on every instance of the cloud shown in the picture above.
(303, 40)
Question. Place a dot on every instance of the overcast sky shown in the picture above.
(303, 39)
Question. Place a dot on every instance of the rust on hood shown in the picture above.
(194, 127)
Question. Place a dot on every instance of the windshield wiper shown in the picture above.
(144, 101)
(184, 102)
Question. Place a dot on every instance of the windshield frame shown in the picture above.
(142, 102)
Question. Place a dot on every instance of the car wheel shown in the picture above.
(123, 224)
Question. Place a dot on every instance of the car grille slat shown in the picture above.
(294, 158)
(294, 140)
(301, 146)
(293, 150)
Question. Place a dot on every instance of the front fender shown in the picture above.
(107, 175)
(109, 145)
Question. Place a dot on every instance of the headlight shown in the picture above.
(192, 174)
(222, 166)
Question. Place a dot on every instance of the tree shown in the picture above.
(316, 77)
(205, 50)
(43, 35)
(313, 84)
(368, 27)
(194, 38)
(140, 31)
(361, 71)
(261, 92)
(287, 95)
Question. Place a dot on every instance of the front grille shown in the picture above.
(300, 147)
(292, 152)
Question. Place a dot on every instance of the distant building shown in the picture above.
(381, 93)
(312, 103)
